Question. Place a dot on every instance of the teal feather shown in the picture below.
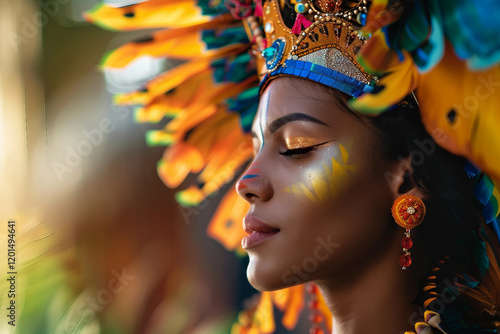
(421, 55)
(218, 38)
(471, 26)
(423, 36)
(245, 104)
(436, 41)
(459, 33)
(483, 191)
(212, 8)
(239, 69)
(235, 69)
(416, 29)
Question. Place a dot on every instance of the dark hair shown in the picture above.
(453, 212)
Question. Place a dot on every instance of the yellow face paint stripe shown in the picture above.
(327, 182)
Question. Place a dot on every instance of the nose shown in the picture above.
(254, 186)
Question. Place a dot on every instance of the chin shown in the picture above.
(265, 276)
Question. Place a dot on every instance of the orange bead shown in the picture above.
(315, 317)
(316, 330)
(313, 304)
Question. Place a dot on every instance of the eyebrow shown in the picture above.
(279, 122)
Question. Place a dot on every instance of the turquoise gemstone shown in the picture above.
(300, 8)
(269, 52)
(362, 18)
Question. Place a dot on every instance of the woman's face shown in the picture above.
(318, 183)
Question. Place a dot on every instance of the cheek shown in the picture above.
(321, 202)
(322, 180)
(335, 198)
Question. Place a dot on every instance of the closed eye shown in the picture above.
(303, 150)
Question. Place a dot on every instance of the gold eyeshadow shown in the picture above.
(299, 142)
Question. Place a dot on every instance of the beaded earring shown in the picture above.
(408, 211)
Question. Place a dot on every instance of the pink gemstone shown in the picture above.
(405, 261)
(406, 242)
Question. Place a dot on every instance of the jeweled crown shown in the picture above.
(321, 45)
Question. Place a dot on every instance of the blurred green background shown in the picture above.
(102, 247)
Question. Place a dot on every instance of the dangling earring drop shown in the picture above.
(408, 211)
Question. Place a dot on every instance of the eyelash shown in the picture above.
(301, 150)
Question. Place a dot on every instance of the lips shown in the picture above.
(258, 232)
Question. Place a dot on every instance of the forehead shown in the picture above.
(289, 95)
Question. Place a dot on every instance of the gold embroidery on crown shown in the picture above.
(331, 40)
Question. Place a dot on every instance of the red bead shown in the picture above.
(405, 215)
(313, 304)
(402, 209)
(406, 242)
(315, 330)
(410, 220)
(330, 6)
(405, 260)
(311, 288)
(410, 200)
(315, 317)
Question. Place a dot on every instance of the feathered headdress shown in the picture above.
(226, 52)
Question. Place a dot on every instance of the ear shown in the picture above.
(401, 181)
